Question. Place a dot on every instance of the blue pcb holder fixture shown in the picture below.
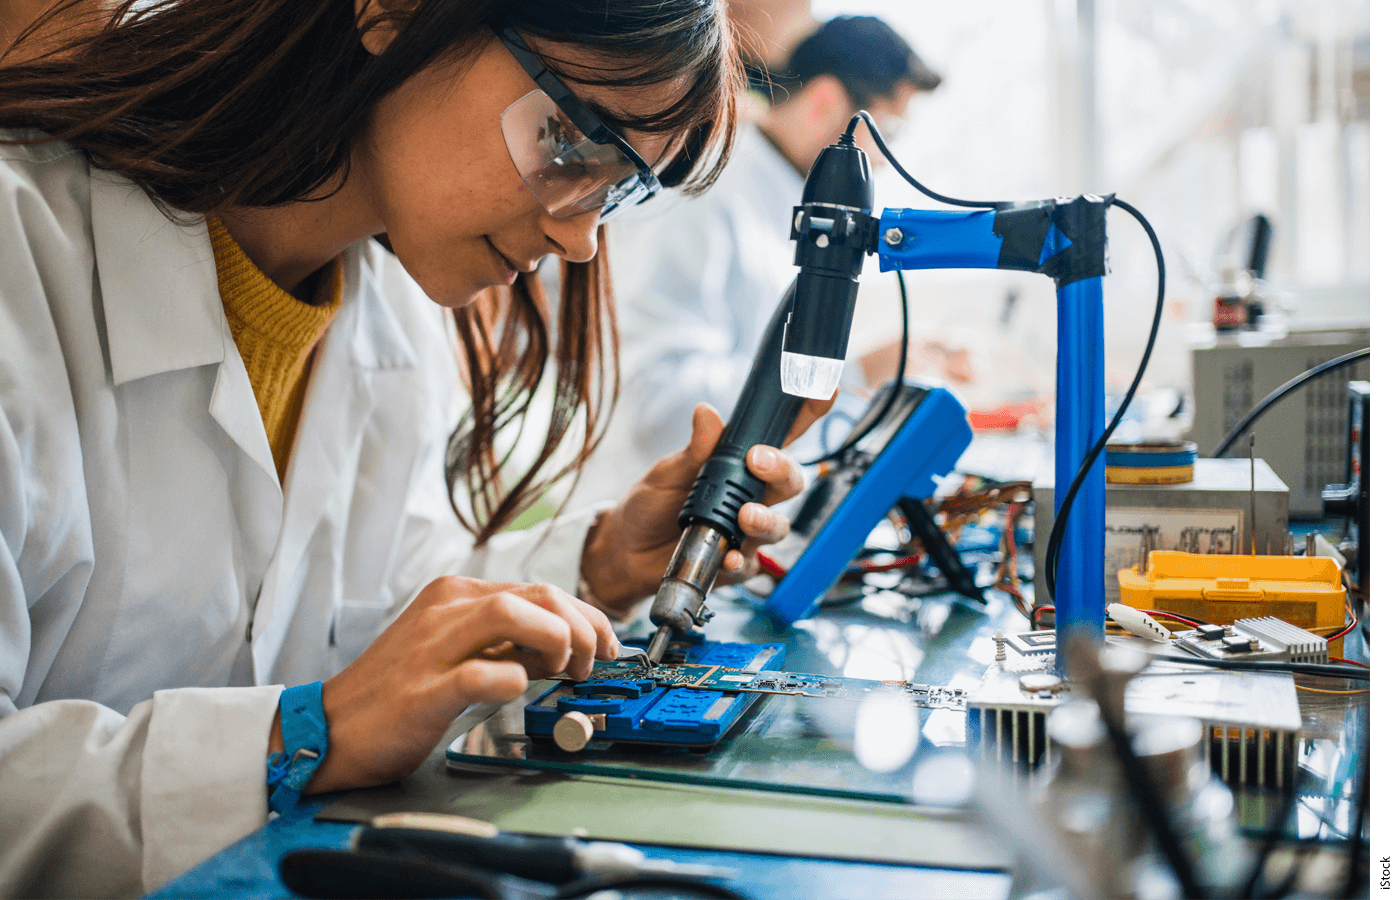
(640, 711)
(1065, 239)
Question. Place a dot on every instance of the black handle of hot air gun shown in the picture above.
(834, 231)
(763, 415)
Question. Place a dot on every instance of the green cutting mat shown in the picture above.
(620, 809)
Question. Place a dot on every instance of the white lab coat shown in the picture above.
(157, 583)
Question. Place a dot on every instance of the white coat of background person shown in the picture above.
(697, 280)
(157, 577)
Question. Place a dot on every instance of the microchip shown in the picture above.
(1236, 643)
(1211, 632)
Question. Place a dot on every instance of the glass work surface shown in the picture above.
(862, 749)
(873, 751)
(783, 743)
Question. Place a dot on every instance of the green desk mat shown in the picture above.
(699, 816)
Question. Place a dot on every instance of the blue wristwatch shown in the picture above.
(304, 739)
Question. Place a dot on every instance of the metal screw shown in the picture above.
(894, 237)
(1001, 646)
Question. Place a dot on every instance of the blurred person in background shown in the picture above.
(697, 280)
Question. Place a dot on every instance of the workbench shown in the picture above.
(780, 843)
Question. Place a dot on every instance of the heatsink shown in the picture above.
(1264, 640)
(1251, 720)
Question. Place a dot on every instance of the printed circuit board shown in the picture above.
(720, 678)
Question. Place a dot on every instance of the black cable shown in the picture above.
(856, 437)
(1282, 391)
(1352, 673)
(830, 419)
(1057, 531)
(913, 182)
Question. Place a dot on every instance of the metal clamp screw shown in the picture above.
(894, 237)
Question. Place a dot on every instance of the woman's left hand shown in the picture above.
(627, 551)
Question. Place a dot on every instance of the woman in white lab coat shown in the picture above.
(189, 188)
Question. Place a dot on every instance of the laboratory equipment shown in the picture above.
(1063, 238)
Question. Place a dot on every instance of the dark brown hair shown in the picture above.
(209, 105)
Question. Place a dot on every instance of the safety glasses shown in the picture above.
(569, 159)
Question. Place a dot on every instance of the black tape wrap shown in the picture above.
(1082, 220)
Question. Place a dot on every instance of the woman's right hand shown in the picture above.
(461, 641)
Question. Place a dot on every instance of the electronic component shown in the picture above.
(920, 437)
(1032, 643)
(1255, 639)
(641, 702)
(834, 687)
(1208, 515)
(1304, 437)
(1138, 623)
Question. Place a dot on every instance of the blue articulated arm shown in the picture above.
(1066, 240)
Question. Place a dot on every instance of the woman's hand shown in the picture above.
(461, 641)
(630, 545)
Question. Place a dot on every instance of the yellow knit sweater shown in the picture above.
(275, 333)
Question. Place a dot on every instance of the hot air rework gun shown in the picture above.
(802, 350)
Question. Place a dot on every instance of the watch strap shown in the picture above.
(305, 736)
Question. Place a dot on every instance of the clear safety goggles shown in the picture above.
(569, 159)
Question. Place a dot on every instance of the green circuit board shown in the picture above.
(719, 678)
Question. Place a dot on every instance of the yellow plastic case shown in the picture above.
(1306, 591)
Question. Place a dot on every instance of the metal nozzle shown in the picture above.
(680, 601)
(657, 647)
